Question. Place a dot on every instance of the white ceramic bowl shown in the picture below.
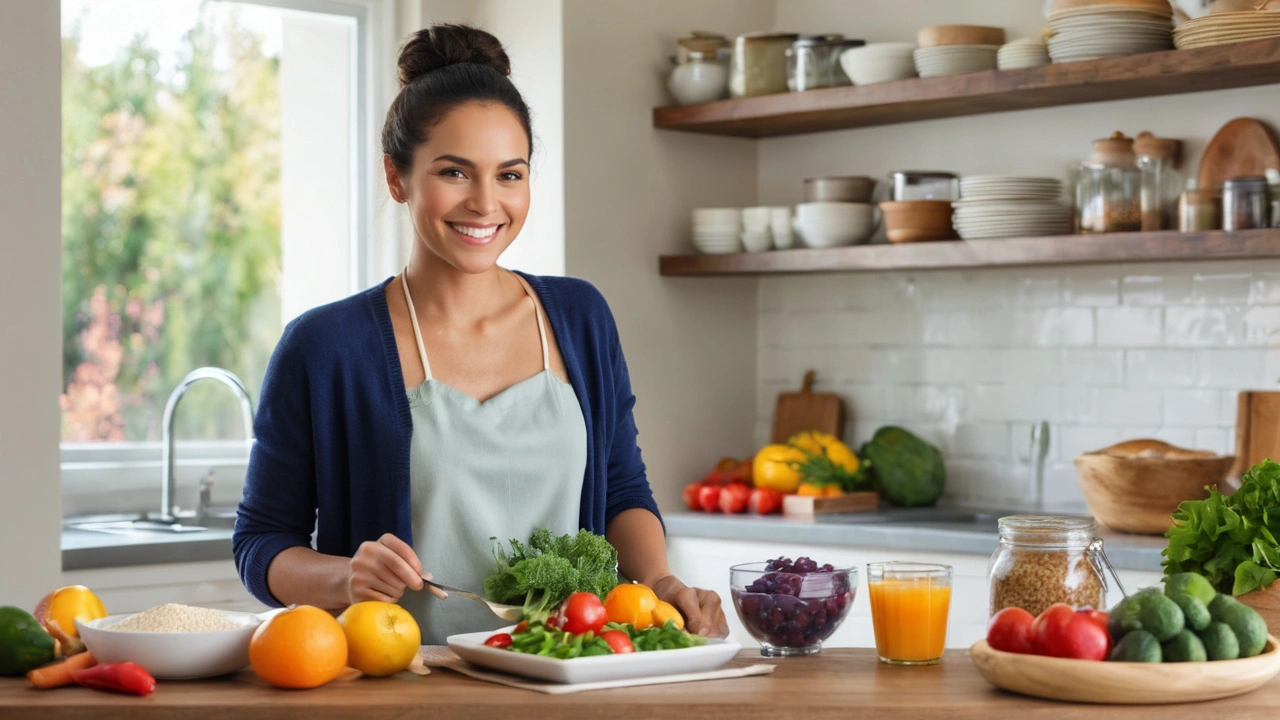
(878, 63)
(757, 241)
(832, 224)
(173, 656)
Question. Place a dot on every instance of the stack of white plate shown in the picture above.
(1006, 206)
(1227, 27)
(717, 230)
(954, 59)
(1022, 54)
(1097, 31)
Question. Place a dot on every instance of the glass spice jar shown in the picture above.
(1047, 559)
(1200, 209)
(1161, 182)
(1108, 188)
(1246, 203)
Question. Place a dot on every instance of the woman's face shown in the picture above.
(468, 189)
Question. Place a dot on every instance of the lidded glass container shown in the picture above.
(813, 61)
(1246, 203)
(759, 64)
(1108, 188)
(1161, 181)
(1047, 559)
(701, 73)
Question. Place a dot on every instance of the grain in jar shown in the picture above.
(1046, 559)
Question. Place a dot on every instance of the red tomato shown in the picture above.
(1062, 632)
(764, 501)
(583, 612)
(733, 498)
(522, 627)
(1102, 619)
(500, 640)
(709, 498)
(1012, 630)
(618, 641)
(552, 622)
(691, 496)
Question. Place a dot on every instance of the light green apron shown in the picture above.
(500, 468)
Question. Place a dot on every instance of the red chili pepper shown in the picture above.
(125, 677)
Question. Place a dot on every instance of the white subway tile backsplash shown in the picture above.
(1172, 289)
(1229, 368)
(969, 360)
(1129, 326)
(1204, 326)
(1193, 408)
(1223, 289)
(1159, 368)
(1128, 407)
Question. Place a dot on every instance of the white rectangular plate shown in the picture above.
(600, 668)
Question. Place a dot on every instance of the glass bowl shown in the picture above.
(791, 607)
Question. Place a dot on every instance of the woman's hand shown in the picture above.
(703, 614)
(383, 570)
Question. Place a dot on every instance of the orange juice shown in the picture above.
(910, 618)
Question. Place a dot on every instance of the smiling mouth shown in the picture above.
(475, 235)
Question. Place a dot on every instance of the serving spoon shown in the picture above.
(511, 613)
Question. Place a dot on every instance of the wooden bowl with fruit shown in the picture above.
(1184, 642)
(1135, 486)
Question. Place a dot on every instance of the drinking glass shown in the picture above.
(909, 606)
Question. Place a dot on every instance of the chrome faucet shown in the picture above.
(168, 512)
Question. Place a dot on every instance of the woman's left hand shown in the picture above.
(703, 614)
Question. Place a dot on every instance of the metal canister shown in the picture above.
(1246, 203)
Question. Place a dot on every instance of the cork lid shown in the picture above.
(1116, 150)
(1149, 145)
(701, 41)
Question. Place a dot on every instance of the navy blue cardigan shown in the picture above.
(331, 452)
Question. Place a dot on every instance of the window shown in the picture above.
(215, 184)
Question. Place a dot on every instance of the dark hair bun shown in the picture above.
(443, 45)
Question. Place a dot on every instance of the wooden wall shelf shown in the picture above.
(1059, 250)
(1163, 73)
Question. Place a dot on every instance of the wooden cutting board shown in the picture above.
(807, 410)
(1243, 146)
(1257, 429)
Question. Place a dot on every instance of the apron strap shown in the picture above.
(417, 333)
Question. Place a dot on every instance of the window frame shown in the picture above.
(135, 466)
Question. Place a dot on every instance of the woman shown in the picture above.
(457, 402)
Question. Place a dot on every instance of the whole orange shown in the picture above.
(302, 647)
(382, 638)
(631, 603)
(66, 605)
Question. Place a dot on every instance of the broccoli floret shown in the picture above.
(541, 574)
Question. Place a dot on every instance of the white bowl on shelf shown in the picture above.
(879, 63)
(833, 224)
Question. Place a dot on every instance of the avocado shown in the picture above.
(1190, 584)
(1184, 647)
(1249, 627)
(1219, 642)
(1195, 612)
(1126, 615)
(24, 645)
(1162, 617)
(1137, 646)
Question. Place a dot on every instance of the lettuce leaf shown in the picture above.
(1230, 539)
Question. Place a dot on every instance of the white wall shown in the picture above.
(971, 358)
(690, 343)
(30, 246)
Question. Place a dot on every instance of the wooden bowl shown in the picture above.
(918, 220)
(960, 35)
(1136, 490)
(1155, 7)
(1125, 683)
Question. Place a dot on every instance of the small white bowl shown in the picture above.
(879, 62)
(832, 224)
(757, 241)
(173, 656)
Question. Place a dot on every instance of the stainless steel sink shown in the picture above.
(135, 524)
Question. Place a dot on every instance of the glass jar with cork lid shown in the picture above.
(1108, 188)
(1161, 182)
(1047, 559)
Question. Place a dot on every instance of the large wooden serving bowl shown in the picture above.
(1138, 493)
(1125, 683)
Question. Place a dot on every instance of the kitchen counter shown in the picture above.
(836, 684)
(896, 529)
(88, 549)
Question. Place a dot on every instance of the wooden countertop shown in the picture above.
(839, 683)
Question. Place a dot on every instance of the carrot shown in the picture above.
(59, 673)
